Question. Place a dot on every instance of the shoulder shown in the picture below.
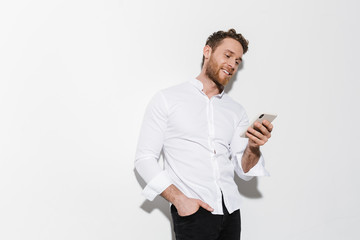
(176, 89)
(229, 101)
(176, 92)
(168, 95)
(235, 107)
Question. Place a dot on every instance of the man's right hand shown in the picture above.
(190, 206)
(184, 205)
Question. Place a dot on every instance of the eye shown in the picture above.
(227, 56)
(237, 63)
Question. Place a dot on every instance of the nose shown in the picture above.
(232, 63)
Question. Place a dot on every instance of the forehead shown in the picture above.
(232, 45)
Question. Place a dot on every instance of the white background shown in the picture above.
(76, 77)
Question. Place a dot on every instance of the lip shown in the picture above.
(227, 72)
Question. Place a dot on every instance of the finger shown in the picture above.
(263, 129)
(257, 133)
(256, 140)
(205, 206)
(268, 125)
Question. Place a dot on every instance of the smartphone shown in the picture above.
(259, 118)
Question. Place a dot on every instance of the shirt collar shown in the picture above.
(198, 84)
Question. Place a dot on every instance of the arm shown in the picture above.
(258, 136)
(245, 152)
(149, 146)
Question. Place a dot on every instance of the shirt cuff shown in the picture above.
(257, 170)
(157, 185)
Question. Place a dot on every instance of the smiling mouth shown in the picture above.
(226, 72)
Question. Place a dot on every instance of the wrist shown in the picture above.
(179, 200)
(255, 150)
(174, 195)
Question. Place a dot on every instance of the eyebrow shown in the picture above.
(228, 50)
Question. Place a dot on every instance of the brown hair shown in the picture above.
(216, 38)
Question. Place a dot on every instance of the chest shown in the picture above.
(201, 118)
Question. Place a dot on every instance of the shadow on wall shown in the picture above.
(158, 203)
(246, 188)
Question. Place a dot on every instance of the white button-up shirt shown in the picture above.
(201, 144)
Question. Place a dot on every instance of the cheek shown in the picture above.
(223, 61)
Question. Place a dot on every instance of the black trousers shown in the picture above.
(203, 225)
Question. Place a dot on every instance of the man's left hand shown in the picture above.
(259, 134)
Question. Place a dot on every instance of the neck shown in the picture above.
(210, 87)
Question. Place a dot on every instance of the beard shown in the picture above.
(212, 71)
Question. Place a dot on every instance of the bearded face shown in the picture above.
(216, 73)
(223, 61)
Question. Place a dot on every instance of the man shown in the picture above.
(198, 128)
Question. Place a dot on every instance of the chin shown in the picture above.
(223, 82)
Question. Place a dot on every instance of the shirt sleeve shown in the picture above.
(238, 146)
(149, 147)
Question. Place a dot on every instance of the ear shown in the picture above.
(207, 51)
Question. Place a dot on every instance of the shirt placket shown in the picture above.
(211, 140)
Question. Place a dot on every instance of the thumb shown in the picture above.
(205, 206)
